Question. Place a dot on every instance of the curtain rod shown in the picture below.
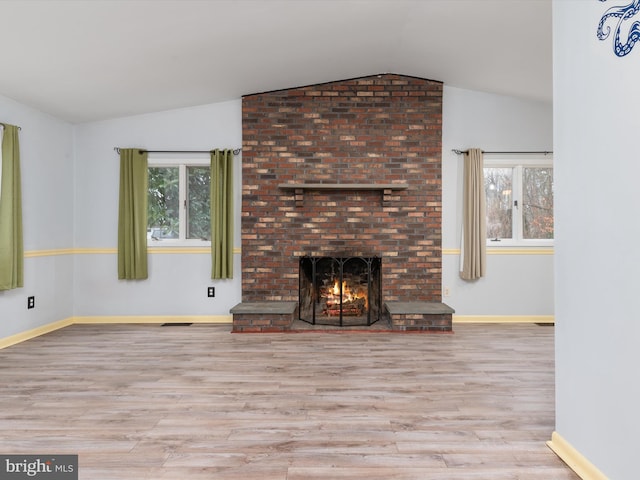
(4, 125)
(543, 152)
(236, 151)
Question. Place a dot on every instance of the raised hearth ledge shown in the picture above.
(413, 308)
(258, 308)
(344, 186)
(403, 316)
(420, 316)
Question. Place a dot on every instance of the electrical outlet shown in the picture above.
(445, 291)
(31, 302)
(211, 292)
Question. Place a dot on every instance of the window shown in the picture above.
(519, 201)
(178, 202)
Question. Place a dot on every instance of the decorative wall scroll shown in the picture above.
(626, 34)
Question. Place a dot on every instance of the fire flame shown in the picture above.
(349, 295)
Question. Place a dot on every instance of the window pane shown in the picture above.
(198, 221)
(537, 208)
(499, 199)
(163, 203)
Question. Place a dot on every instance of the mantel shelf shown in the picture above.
(343, 186)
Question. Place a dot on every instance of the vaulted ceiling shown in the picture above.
(88, 60)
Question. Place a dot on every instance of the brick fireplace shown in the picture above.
(347, 168)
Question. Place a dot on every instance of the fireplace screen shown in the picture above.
(341, 291)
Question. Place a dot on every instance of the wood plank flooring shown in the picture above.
(197, 402)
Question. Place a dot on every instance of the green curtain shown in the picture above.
(222, 214)
(132, 215)
(11, 247)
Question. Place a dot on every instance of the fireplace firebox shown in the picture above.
(340, 291)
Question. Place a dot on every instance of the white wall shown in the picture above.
(519, 285)
(46, 158)
(515, 284)
(71, 174)
(177, 283)
(596, 99)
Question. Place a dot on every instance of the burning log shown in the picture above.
(351, 308)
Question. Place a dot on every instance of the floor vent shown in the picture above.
(548, 324)
(176, 324)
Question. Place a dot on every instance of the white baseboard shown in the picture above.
(150, 319)
(225, 319)
(153, 319)
(33, 333)
(574, 459)
(503, 319)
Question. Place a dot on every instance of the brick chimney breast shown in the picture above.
(357, 138)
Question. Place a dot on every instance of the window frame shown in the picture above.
(518, 163)
(182, 163)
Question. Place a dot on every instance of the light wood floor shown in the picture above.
(197, 402)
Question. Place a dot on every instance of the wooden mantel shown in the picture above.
(344, 186)
(299, 189)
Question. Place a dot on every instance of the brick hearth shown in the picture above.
(367, 152)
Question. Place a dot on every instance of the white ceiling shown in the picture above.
(88, 60)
